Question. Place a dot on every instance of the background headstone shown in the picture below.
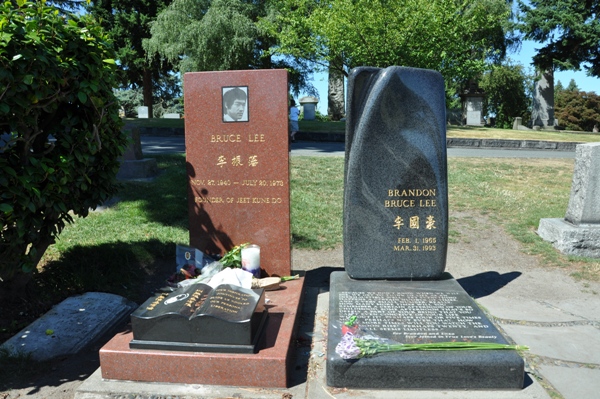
(133, 163)
(518, 122)
(579, 232)
(542, 114)
(335, 95)
(142, 112)
(396, 189)
(171, 116)
(584, 203)
(473, 109)
(239, 171)
(309, 105)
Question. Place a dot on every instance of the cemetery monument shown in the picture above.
(395, 289)
(237, 156)
(578, 233)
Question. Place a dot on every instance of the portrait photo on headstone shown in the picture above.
(235, 104)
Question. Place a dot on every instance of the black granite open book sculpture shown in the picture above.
(227, 318)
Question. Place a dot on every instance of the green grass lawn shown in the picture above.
(118, 249)
(151, 218)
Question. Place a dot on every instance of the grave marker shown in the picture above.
(238, 170)
(396, 190)
(578, 233)
(238, 163)
(395, 243)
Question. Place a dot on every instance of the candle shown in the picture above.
(251, 259)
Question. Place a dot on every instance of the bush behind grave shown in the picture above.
(60, 131)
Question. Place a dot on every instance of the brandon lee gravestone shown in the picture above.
(238, 168)
(396, 227)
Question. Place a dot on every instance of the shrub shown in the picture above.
(59, 126)
(506, 94)
(577, 110)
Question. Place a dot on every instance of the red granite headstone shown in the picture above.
(236, 136)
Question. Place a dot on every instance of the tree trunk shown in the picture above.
(147, 89)
(335, 95)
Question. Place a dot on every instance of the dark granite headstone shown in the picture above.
(198, 318)
(396, 229)
(417, 312)
(396, 189)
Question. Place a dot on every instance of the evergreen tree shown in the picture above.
(577, 110)
(569, 31)
(572, 86)
(128, 23)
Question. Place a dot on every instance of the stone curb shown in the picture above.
(450, 141)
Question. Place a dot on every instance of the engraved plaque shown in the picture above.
(417, 312)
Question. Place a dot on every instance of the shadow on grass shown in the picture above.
(164, 200)
(302, 241)
(122, 268)
(131, 269)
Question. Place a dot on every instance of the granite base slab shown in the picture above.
(412, 312)
(581, 240)
(273, 359)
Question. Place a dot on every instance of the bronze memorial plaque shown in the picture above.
(236, 136)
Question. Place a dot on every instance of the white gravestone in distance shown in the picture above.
(142, 112)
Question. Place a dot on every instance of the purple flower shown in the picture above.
(347, 348)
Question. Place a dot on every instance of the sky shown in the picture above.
(524, 56)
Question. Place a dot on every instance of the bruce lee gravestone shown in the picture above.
(395, 243)
(238, 173)
(238, 163)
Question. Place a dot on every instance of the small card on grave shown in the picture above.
(236, 128)
(197, 317)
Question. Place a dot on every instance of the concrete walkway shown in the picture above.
(546, 309)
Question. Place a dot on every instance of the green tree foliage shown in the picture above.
(168, 95)
(572, 85)
(128, 23)
(577, 110)
(569, 31)
(454, 37)
(506, 87)
(214, 35)
(60, 131)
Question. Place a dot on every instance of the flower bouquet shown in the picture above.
(356, 343)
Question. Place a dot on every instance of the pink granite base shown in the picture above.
(268, 368)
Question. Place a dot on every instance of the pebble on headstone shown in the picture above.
(396, 190)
